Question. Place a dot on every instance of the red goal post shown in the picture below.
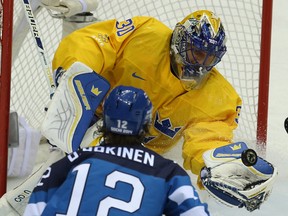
(246, 64)
(6, 21)
(264, 68)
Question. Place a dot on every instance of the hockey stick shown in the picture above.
(286, 124)
(38, 42)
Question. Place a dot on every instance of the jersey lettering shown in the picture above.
(78, 188)
(136, 197)
(165, 126)
(45, 175)
(124, 27)
(238, 109)
(105, 204)
(73, 156)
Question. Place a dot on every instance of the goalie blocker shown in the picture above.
(230, 181)
(80, 92)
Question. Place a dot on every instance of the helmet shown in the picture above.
(197, 45)
(127, 110)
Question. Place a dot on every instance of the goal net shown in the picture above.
(240, 65)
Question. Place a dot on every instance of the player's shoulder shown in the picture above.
(218, 79)
(152, 22)
(168, 166)
(144, 19)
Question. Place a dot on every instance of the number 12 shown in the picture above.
(108, 202)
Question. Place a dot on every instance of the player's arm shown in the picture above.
(214, 124)
(94, 48)
(96, 45)
(53, 177)
(201, 137)
(45, 189)
(237, 177)
(183, 198)
(84, 54)
(224, 175)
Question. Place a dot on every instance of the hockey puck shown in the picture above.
(249, 157)
(286, 124)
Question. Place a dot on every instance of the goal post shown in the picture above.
(246, 64)
(6, 18)
(264, 75)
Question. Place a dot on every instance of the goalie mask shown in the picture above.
(197, 45)
(127, 110)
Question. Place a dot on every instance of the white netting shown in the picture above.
(240, 65)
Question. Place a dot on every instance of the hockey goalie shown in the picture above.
(233, 174)
(168, 65)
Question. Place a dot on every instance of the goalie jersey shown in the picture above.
(136, 52)
(109, 180)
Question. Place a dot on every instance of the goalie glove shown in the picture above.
(230, 181)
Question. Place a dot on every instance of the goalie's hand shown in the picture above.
(233, 183)
(68, 8)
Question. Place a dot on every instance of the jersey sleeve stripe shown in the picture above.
(183, 193)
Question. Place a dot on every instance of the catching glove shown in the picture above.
(237, 177)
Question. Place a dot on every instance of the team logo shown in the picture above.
(165, 126)
(136, 76)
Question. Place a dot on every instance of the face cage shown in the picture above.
(191, 67)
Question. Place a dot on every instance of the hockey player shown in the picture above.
(176, 68)
(120, 176)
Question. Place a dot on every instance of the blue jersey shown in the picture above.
(115, 180)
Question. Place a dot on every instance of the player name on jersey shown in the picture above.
(137, 155)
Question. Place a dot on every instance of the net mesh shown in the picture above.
(240, 65)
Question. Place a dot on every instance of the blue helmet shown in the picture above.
(198, 43)
(127, 110)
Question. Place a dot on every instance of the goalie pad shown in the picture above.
(229, 181)
(73, 105)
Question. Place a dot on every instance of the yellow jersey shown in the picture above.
(136, 52)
